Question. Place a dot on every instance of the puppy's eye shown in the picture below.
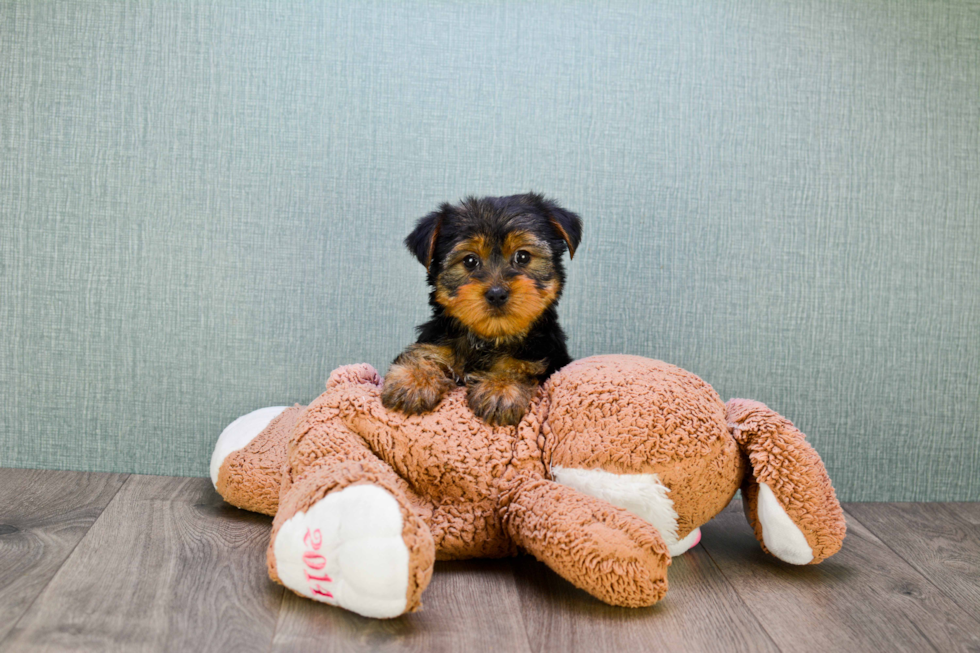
(471, 262)
(522, 258)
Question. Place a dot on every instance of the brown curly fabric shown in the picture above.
(782, 459)
(250, 478)
(613, 555)
(467, 489)
(633, 415)
(332, 476)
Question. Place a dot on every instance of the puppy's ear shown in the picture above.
(422, 241)
(567, 224)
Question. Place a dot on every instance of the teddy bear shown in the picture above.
(612, 471)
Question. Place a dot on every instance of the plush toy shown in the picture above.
(616, 465)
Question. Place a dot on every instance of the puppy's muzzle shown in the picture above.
(497, 296)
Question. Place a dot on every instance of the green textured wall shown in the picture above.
(202, 206)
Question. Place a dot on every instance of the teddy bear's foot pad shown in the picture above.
(781, 536)
(347, 550)
(685, 544)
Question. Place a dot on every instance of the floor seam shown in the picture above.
(275, 629)
(517, 592)
(741, 598)
(37, 596)
(912, 566)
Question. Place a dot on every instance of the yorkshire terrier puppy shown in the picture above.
(495, 268)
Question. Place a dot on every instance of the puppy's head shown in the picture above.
(495, 263)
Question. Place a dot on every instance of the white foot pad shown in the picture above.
(239, 433)
(781, 536)
(347, 550)
(685, 544)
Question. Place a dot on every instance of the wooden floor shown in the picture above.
(113, 562)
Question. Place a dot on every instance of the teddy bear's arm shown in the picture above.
(787, 495)
(610, 553)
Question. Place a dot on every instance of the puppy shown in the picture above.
(495, 269)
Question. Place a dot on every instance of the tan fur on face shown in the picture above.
(477, 245)
(465, 297)
(418, 379)
(516, 240)
(527, 303)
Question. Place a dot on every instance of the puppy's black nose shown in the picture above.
(497, 296)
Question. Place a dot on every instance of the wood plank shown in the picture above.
(468, 606)
(701, 612)
(865, 598)
(967, 512)
(167, 567)
(43, 516)
(940, 540)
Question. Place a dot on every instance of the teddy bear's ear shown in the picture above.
(360, 374)
(422, 241)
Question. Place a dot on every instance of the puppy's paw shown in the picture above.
(414, 389)
(499, 402)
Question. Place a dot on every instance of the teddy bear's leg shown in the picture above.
(349, 531)
(606, 551)
(787, 495)
(347, 536)
(246, 466)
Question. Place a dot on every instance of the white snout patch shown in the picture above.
(781, 536)
(239, 433)
(641, 494)
(347, 550)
